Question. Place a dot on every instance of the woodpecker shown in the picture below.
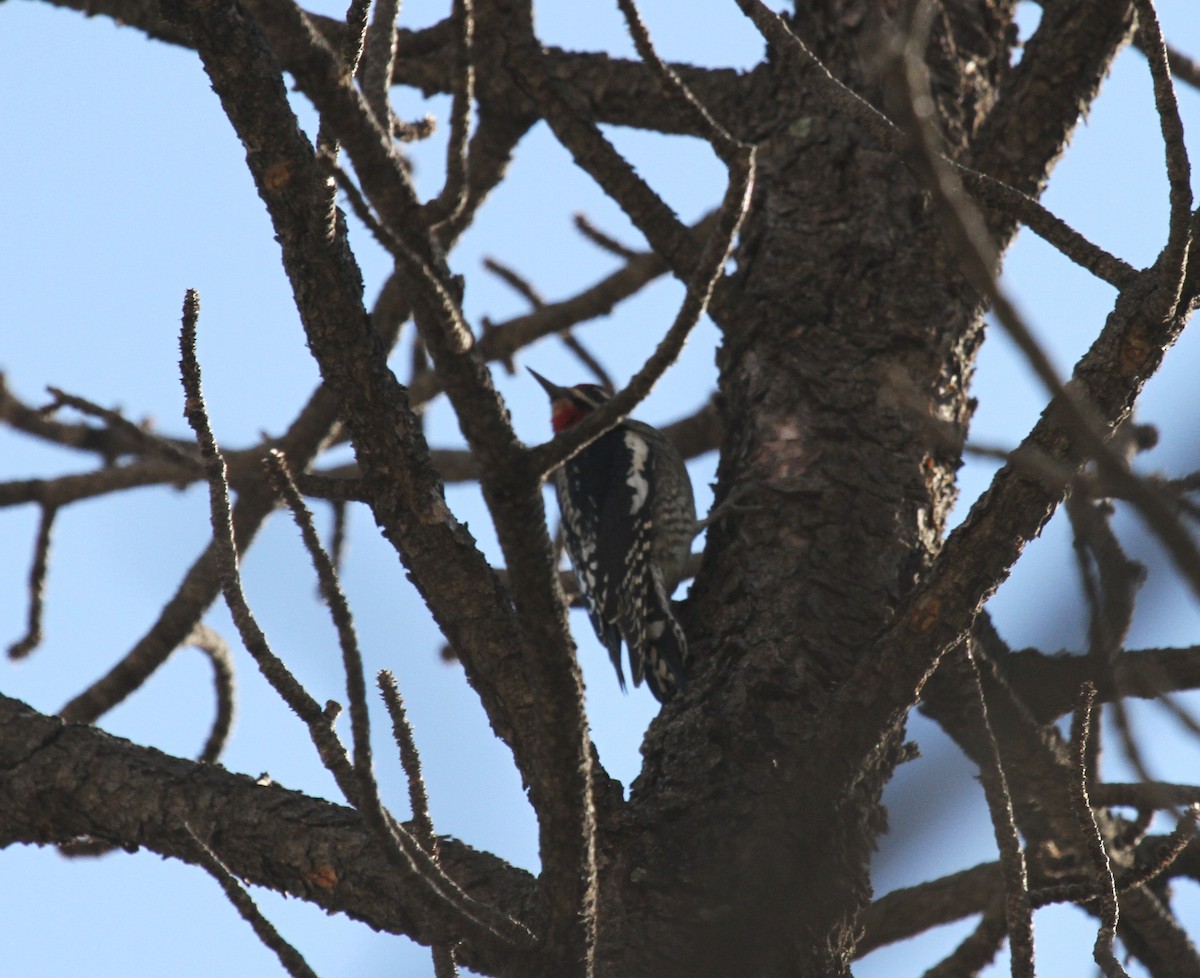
(628, 521)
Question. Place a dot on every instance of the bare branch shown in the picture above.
(1170, 849)
(37, 586)
(1018, 912)
(729, 149)
(574, 128)
(977, 950)
(218, 654)
(733, 210)
(339, 611)
(908, 911)
(1103, 879)
(289, 957)
(379, 60)
(395, 841)
(327, 857)
(450, 203)
(1174, 258)
(147, 442)
(602, 240)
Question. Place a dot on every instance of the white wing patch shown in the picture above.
(639, 453)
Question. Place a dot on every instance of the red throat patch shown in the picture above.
(564, 414)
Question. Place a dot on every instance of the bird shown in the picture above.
(628, 518)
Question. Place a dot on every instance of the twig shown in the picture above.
(149, 443)
(37, 586)
(1104, 883)
(288, 956)
(1018, 913)
(1172, 847)
(337, 539)
(573, 126)
(217, 651)
(602, 240)
(515, 281)
(452, 200)
(339, 611)
(352, 51)
(730, 150)
(378, 61)
(911, 910)
(1184, 67)
(410, 761)
(458, 334)
(547, 457)
(1129, 744)
(585, 356)
(1152, 794)
(396, 843)
(273, 669)
(1111, 590)
(525, 289)
(977, 950)
(1172, 263)
(356, 693)
(1051, 228)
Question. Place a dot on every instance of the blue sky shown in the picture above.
(126, 186)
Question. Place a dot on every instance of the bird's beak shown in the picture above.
(555, 392)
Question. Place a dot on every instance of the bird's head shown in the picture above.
(570, 405)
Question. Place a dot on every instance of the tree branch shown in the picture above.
(62, 781)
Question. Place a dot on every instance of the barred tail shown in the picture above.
(657, 645)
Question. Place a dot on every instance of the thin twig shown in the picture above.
(378, 61)
(148, 442)
(602, 240)
(515, 281)
(37, 586)
(729, 149)
(400, 848)
(1172, 263)
(450, 203)
(356, 693)
(1171, 849)
(338, 538)
(1117, 578)
(545, 458)
(217, 651)
(410, 761)
(977, 950)
(339, 611)
(1104, 884)
(444, 965)
(588, 359)
(273, 669)
(1129, 744)
(525, 289)
(1018, 913)
(352, 50)
(289, 957)
(457, 332)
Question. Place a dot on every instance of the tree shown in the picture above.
(876, 165)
